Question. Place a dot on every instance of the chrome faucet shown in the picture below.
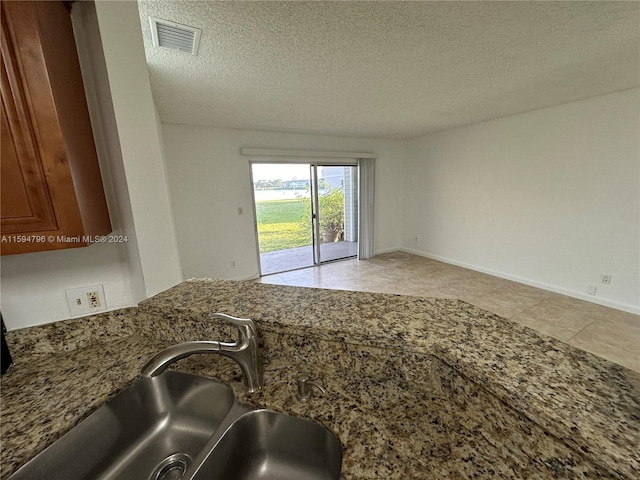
(244, 351)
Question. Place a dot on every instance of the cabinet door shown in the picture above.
(26, 205)
(51, 186)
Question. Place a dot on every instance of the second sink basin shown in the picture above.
(263, 444)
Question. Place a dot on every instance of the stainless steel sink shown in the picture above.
(264, 445)
(177, 426)
(153, 429)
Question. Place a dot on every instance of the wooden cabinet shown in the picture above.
(51, 190)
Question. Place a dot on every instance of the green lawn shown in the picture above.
(280, 225)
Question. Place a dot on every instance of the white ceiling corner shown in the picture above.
(387, 69)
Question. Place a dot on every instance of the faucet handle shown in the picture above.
(238, 322)
(245, 326)
(304, 387)
(244, 350)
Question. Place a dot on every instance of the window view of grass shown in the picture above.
(286, 224)
(281, 225)
(282, 194)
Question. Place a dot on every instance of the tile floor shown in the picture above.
(603, 331)
(291, 258)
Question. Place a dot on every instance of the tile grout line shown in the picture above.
(582, 330)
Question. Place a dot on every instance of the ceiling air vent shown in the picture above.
(174, 36)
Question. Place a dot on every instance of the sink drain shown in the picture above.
(172, 468)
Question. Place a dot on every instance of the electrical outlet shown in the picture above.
(605, 278)
(233, 264)
(94, 299)
(592, 290)
(86, 300)
(240, 211)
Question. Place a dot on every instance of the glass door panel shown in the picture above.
(282, 201)
(337, 212)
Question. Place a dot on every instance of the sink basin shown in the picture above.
(264, 445)
(153, 429)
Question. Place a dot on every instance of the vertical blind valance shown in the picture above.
(367, 180)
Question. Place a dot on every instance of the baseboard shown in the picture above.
(243, 278)
(627, 307)
(387, 250)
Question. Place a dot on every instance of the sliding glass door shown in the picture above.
(306, 214)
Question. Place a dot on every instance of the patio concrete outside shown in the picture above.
(301, 257)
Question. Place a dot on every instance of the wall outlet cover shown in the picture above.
(86, 300)
(605, 278)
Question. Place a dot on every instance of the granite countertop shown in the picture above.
(76, 384)
(587, 403)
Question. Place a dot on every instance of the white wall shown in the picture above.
(209, 180)
(33, 285)
(549, 197)
(130, 152)
(140, 143)
(103, 121)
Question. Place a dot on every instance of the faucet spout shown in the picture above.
(159, 363)
(244, 351)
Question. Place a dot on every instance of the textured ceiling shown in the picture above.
(387, 69)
